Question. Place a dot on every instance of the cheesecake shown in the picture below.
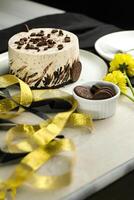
(45, 57)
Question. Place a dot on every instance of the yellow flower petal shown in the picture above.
(118, 78)
(123, 59)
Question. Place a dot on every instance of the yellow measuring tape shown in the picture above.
(39, 140)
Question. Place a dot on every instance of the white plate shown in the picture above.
(93, 68)
(108, 45)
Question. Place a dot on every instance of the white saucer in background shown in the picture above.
(109, 44)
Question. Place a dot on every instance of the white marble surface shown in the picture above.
(13, 12)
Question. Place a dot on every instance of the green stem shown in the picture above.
(129, 84)
(131, 98)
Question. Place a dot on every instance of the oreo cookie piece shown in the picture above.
(83, 92)
(102, 94)
(109, 90)
(75, 71)
(95, 88)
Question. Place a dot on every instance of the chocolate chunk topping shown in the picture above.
(54, 31)
(75, 70)
(50, 45)
(60, 33)
(48, 35)
(46, 48)
(40, 34)
(25, 39)
(27, 46)
(44, 37)
(60, 46)
(39, 39)
(67, 39)
(19, 47)
(41, 43)
(83, 92)
(50, 41)
(22, 42)
(31, 46)
(33, 34)
(34, 41)
(17, 42)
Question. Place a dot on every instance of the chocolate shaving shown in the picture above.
(11, 72)
(38, 82)
(46, 68)
(21, 69)
(32, 75)
(11, 61)
(33, 80)
(47, 80)
(25, 77)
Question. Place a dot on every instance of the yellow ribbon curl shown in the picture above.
(38, 140)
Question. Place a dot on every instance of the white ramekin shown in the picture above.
(99, 109)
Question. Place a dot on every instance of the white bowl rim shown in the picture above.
(99, 100)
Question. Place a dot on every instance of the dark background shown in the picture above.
(121, 14)
(117, 12)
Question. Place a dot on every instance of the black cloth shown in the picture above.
(88, 31)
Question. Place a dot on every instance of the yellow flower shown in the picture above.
(118, 78)
(123, 62)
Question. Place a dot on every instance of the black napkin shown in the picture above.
(87, 29)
